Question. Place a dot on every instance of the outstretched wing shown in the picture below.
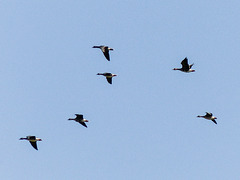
(190, 66)
(185, 65)
(208, 114)
(214, 121)
(109, 79)
(34, 144)
(106, 54)
(83, 123)
(79, 116)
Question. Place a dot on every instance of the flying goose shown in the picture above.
(185, 66)
(33, 140)
(79, 118)
(108, 76)
(105, 50)
(209, 116)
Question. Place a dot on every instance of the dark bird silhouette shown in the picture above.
(105, 50)
(108, 76)
(79, 118)
(185, 66)
(209, 116)
(33, 140)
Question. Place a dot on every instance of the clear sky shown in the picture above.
(144, 125)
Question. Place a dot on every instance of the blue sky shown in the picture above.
(144, 125)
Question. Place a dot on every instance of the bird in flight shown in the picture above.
(209, 116)
(105, 50)
(79, 118)
(185, 66)
(108, 76)
(33, 140)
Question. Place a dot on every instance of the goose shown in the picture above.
(185, 66)
(33, 140)
(105, 50)
(79, 118)
(209, 116)
(108, 76)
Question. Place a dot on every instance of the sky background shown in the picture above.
(144, 125)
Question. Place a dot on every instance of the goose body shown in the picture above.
(105, 50)
(209, 116)
(108, 76)
(185, 66)
(33, 140)
(79, 118)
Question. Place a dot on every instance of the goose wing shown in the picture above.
(190, 66)
(208, 114)
(83, 123)
(109, 79)
(214, 121)
(79, 116)
(185, 65)
(106, 53)
(34, 144)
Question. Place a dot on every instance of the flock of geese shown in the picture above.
(79, 117)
